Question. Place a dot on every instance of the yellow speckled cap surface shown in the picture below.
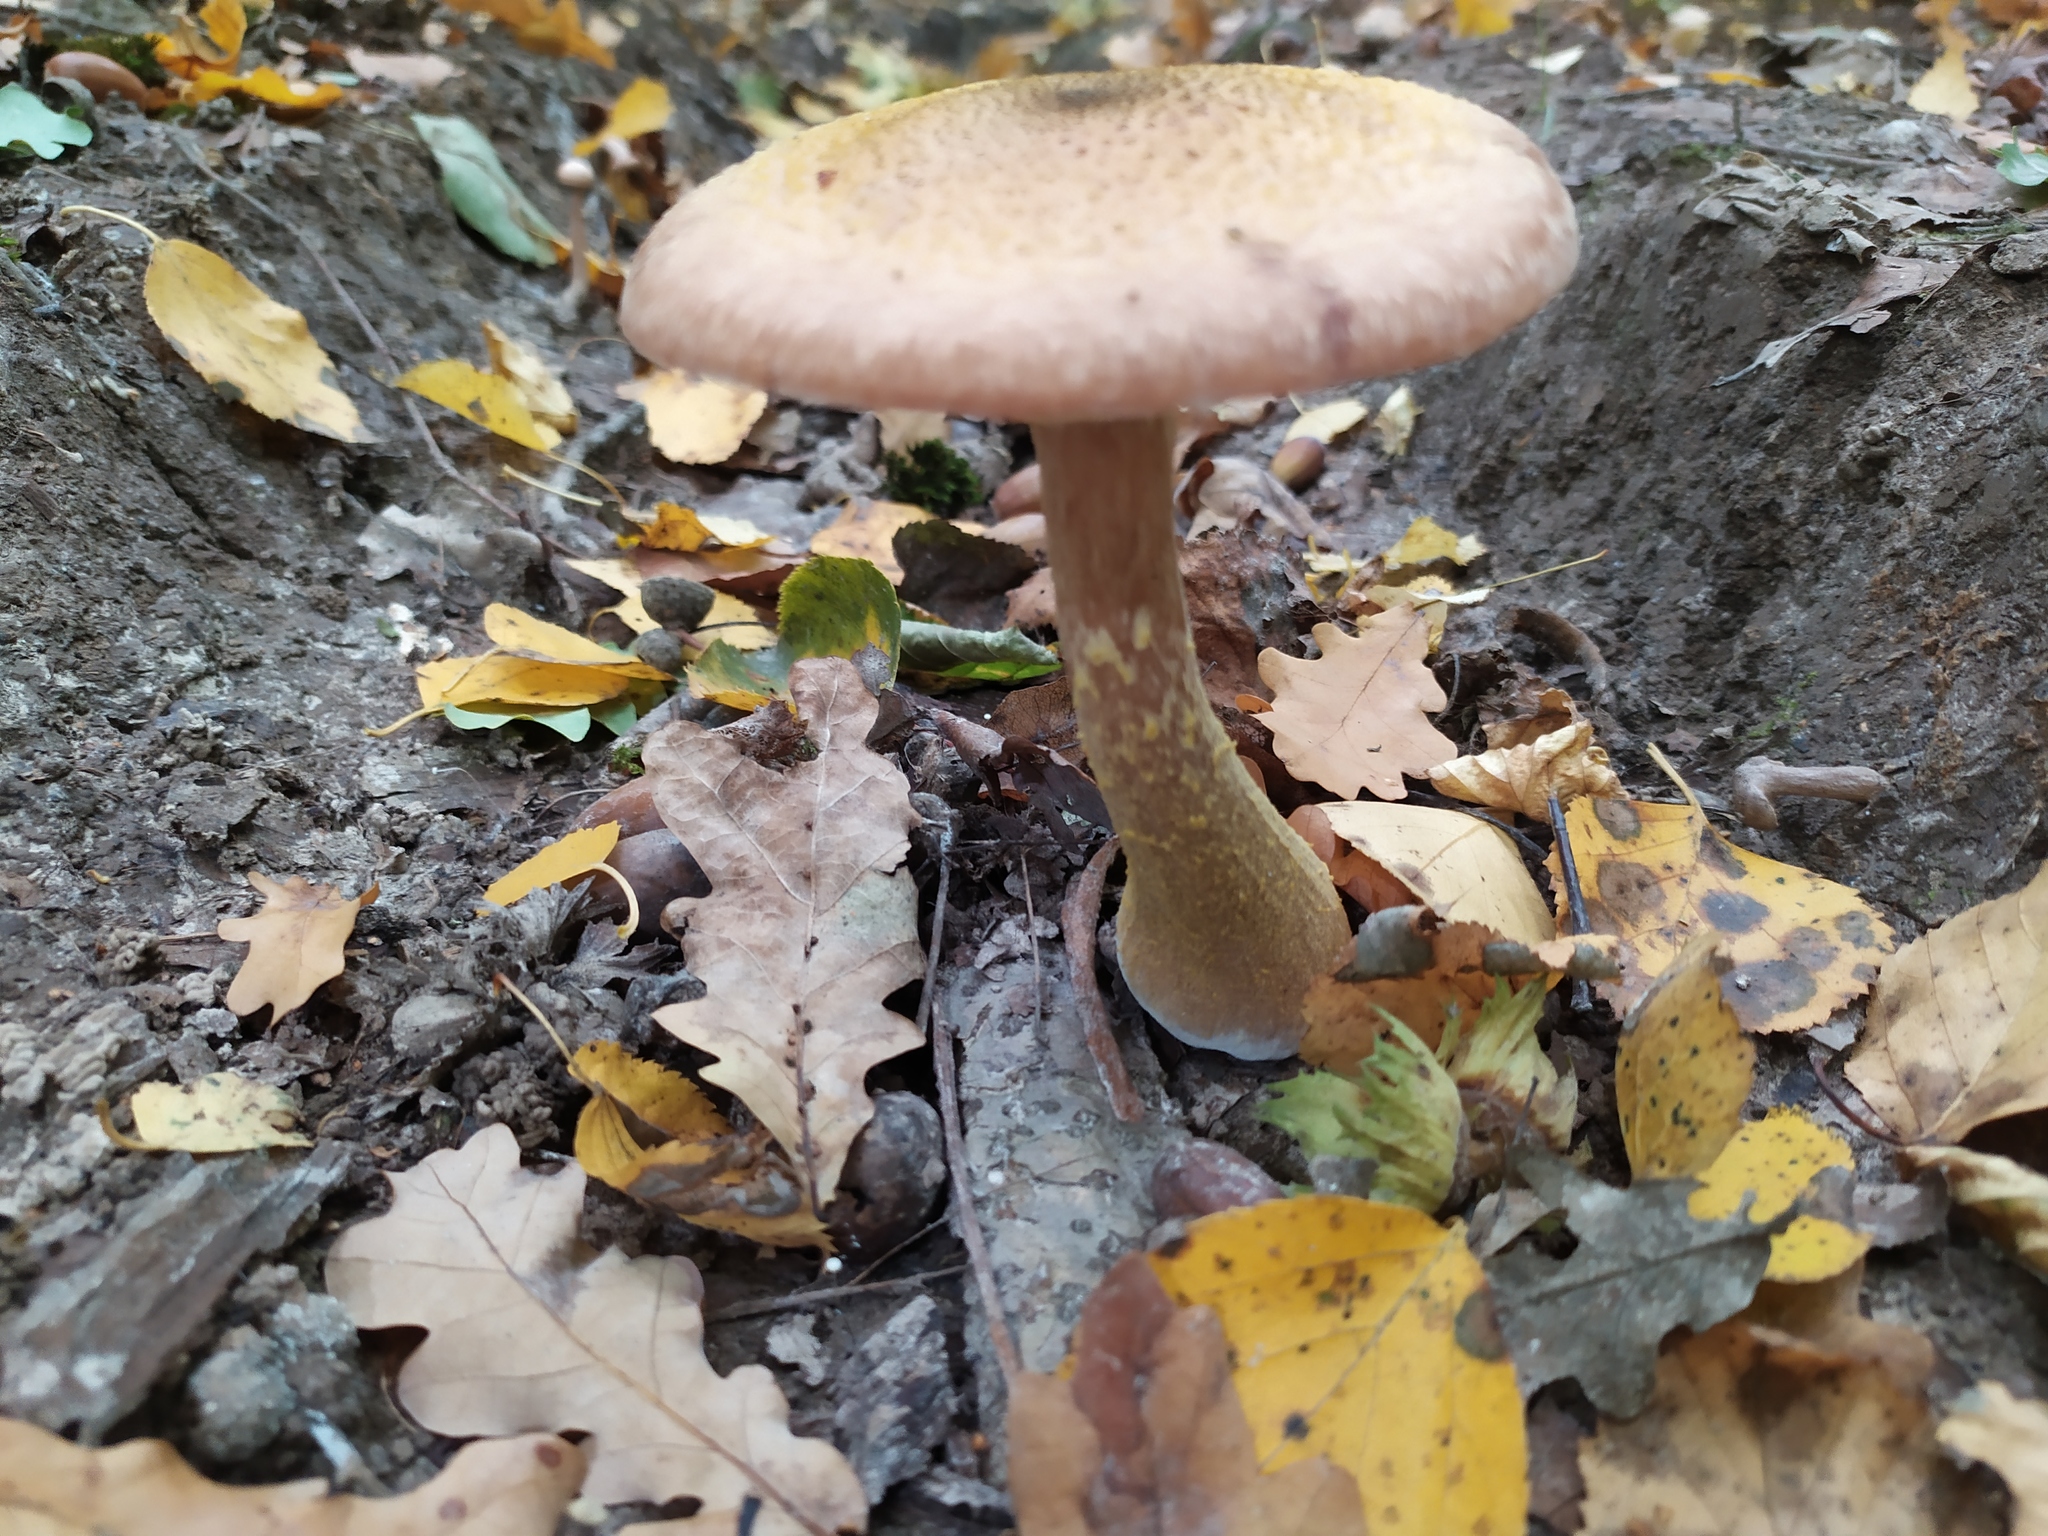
(1076, 247)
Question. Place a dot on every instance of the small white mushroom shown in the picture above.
(576, 176)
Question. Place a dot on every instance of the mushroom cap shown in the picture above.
(1089, 247)
(576, 173)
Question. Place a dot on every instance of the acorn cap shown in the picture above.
(1091, 247)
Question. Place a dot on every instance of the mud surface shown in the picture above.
(1833, 560)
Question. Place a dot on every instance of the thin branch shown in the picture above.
(1079, 915)
(804, 1299)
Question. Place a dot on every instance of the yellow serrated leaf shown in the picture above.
(1327, 423)
(295, 943)
(252, 349)
(1683, 1070)
(1363, 1332)
(524, 635)
(1486, 18)
(220, 1112)
(1776, 1158)
(484, 398)
(470, 680)
(692, 420)
(642, 107)
(538, 386)
(1945, 90)
(560, 860)
(266, 85)
(1395, 423)
(1427, 540)
(688, 531)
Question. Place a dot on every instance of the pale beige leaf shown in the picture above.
(866, 530)
(2010, 1434)
(692, 420)
(1427, 540)
(901, 429)
(524, 1327)
(811, 920)
(1751, 1433)
(1395, 423)
(1463, 869)
(295, 943)
(539, 387)
(1958, 1028)
(1327, 423)
(2008, 1199)
(1567, 763)
(51, 1487)
(219, 1112)
(1358, 717)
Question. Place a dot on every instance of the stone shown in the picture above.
(240, 1398)
(2023, 255)
(431, 1025)
(897, 1398)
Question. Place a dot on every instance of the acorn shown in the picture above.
(98, 74)
(1299, 463)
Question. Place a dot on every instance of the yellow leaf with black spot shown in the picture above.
(466, 681)
(484, 398)
(1365, 1333)
(1683, 1070)
(1774, 1160)
(1654, 875)
(561, 860)
(523, 634)
(219, 1112)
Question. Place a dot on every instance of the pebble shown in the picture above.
(2023, 255)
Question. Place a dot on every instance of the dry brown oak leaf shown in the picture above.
(1149, 1438)
(1358, 716)
(811, 920)
(527, 1329)
(50, 1487)
(295, 943)
(1958, 1028)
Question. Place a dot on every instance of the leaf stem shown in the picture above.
(155, 239)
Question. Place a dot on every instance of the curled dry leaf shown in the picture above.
(525, 1327)
(1364, 1333)
(811, 922)
(1654, 875)
(492, 402)
(295, 943)
(1772, 1162)
(1958, 1028)
(539, 387)
(2010, 1435)
(687, 531)
(1427, 540)
(1567, 763)
(692, 420)
(1756, 1432)
(572, 854)
(517, 1486)
(2008, 1199)
(1684, 1069)
(1149, 1438)
(1327, 423)
(1358, 717)
(1394, 423)
(219, 1112)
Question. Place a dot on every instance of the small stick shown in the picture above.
(1575, 895)
(1031, 933)
(1761, 780)
(1817, 1059)
(803, 1299)
(1079, 915)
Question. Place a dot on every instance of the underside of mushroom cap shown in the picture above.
(1077, 247)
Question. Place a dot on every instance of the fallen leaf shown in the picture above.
(730, 619)
(1149, 1438)
(1462, 868)
(483, 193)
(1327, 423)
(811, 922)
(1567, 764)
(1772, 1436)
(1357, 718)
(1684, 1068)
(939, 653)
(1958, 1028)
(523, 1327)
(1397, 1108)
(219, 1112)
(1504, 1078)
(2008, 1199)
(1774, 1161)
(253, 350)
(1552, 710)
(642, 107)
(2010, 1435)
(540, 388)
(1655, 874)
(947, 568)
(692, 420)
(902, 429)
(1360, 878)
(1644, 1266)
(213, 36)
(1395, 423)
(424, 70)
(295, 943)
(491, 401)
(288, 98)
(567, 856)
(1945, 90)
(1032, 603)
(521, 634)
(1427, 540)
(866, 530)
(24, 120)
(1888, 280)
(1486, 18)
(1227, 493)
(557, 32)
(696, 1166)
(687, 531)
(517, 1486)
(481, 681)
(1363, 1333)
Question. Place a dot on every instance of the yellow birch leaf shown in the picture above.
(1427, 540)
(642, 107)
(538, 386)
(1945, 90)
(2009, 1434)
(1655, 875)
(1458, 866)
(250, 348)
(1776, 1158)
(1364, 1332)
(688, 531)
(484, 398)
(269, 87)
(524, 635)
(1327, 423)
(1395, 423)
(866, 530)
(212, 37)
(1683, 1070)
(730, 618)
(559, 34)
(295, 943)
(468, 681)
(220, 1112)
(692, 420)
(2008, 1199)
(562, 859)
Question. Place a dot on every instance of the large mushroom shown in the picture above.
(1086, 253)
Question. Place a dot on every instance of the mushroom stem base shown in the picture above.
(1227, 915)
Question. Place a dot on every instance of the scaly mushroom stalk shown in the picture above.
(1227, 915)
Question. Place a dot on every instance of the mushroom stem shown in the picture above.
(1227, 916)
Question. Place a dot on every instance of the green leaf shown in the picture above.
(834, 606)
(615, 715)
(483, 193)
(974, 655)
(2020, 167)
(739, 679)
(1501, 1060)
(572, 723)
(26, 122)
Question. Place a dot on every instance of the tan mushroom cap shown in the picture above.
(1081, 247)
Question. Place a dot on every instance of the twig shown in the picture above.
(1079, 915)
(1031, 934)
(803, 1299)
(947, 1071)
(911, 1241)
(1817, 1059)
(1575, 895)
